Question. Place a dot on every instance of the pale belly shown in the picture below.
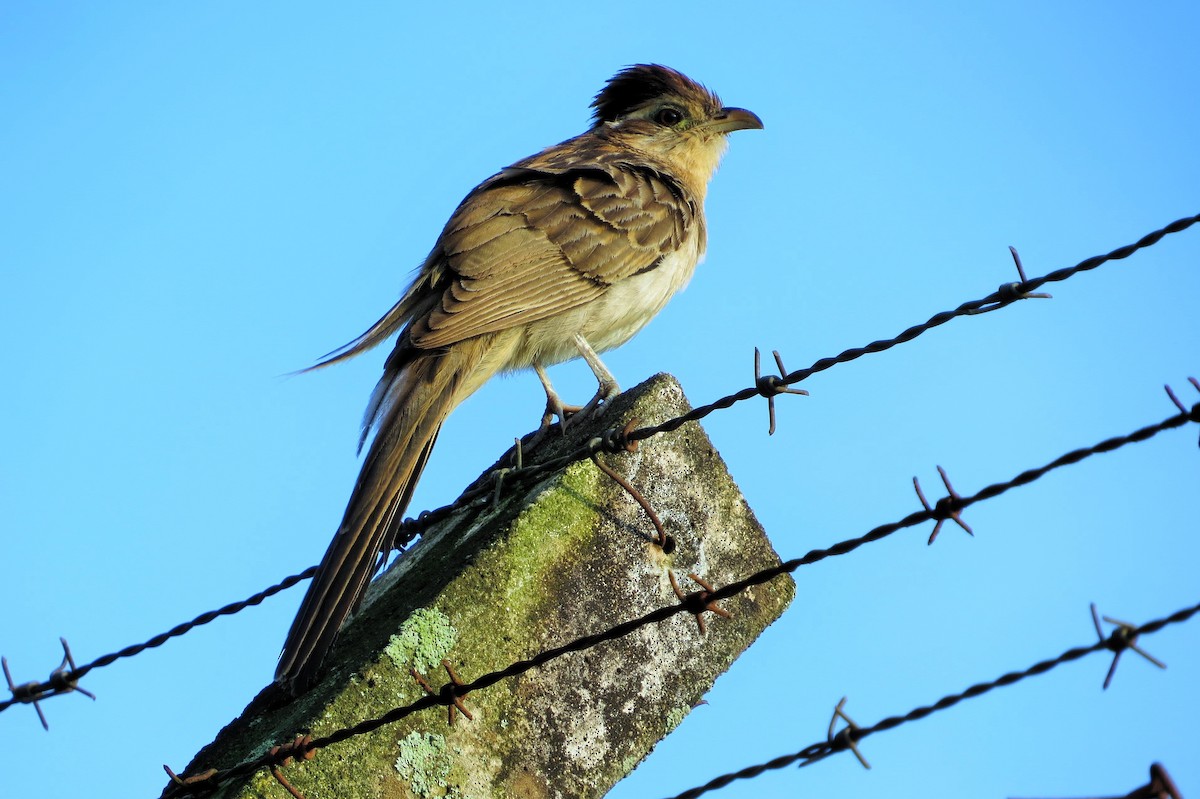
(611, 319)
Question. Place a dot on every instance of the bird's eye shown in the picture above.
(670, 117)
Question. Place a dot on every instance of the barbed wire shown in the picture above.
(703, 601)
(64, 680)
(1122, 638)
(1004, 296)
(769, 386)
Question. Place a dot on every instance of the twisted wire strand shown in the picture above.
(689, 606)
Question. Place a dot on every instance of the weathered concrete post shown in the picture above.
(570, 556)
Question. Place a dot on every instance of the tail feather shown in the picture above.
(416, 398)
(396, 317)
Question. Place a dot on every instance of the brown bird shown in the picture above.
(565, 253)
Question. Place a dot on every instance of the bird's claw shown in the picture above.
(568, 415)
(607, 390)
(599, 403)
(564, 413)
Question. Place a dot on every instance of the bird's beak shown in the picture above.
(731, 119)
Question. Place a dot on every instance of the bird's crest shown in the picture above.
(634, 86)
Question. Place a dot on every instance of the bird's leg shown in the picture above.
(555, 407)
(608, 388)
(554, 404)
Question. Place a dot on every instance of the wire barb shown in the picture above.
(770, 386)
(847, 737)
(63, 680)
(819, 751)
(948, 507)
(618, 439)
(1009, 293)
(1161, 785)
(284, 753)
(698, 602)
(277, 773)
(451, 694)
(498, 476)
(1124, 636)
(1192, 413)
(202, 782)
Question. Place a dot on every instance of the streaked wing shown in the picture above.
(541, 238)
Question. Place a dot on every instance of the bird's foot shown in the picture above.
(598, 404)
(555, 409)
(606, 392)
(567, 415)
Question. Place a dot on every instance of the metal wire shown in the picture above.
(63, 681)
(695, 603)
(180, 629)
(823, 749)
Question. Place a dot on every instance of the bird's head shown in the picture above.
(663, 112)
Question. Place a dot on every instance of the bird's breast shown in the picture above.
(631, 303)
(613, 318)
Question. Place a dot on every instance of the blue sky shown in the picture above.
(196, 199)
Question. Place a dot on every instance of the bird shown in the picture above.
(566, 253)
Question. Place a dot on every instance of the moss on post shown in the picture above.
(569, 556)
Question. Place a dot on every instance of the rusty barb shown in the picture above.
(618, 439)
(499, 474)
(847, 737)
(948, 507)
(209, 780)
(698, 602)
(284, 753)
(63, 680)
(770, 385)
(196, 782)
(1124, 636)
(451, 694)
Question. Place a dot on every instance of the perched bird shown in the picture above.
(568, 252)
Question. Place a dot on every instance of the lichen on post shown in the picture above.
(571, 555)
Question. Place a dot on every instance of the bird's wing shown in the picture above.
(539, 239)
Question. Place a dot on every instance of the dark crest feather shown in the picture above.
(635, 85)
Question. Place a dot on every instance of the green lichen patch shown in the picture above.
(552, 559)
(424, 639)
(425, 763)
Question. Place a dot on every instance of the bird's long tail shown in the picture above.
(417, 392)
